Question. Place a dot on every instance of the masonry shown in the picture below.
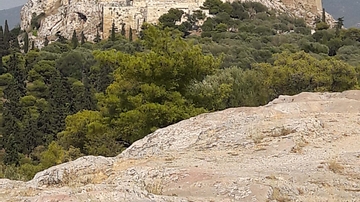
(133, 13)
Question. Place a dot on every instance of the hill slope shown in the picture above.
(349, 9)
(12, 15)
(291, 149)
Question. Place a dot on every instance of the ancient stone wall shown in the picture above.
(134, 13)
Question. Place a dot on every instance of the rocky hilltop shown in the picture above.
(296, 148)
(49, 17)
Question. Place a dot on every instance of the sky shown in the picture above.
(5, 4)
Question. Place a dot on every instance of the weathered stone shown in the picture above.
(296, 148)
(90, 16)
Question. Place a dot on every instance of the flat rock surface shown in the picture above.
(297, 148)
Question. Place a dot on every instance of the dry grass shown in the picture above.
(335, 167)
(278, 196)
(155, 187)
(300, 144)
(283, 132)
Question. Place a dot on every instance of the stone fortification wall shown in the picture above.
(90, 16)
(134, 13)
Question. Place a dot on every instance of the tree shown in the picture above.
(123, 31)
(83, 38)
(11, 148)
(97, 38)
(60, 38)
(74, 40)
(150, 94)
(6, 36)
(112, 36)
(169, 19)
(323, 19)
(293, 73)
(130, 34)
(339, 25)
(26, 43)
(46, 42)
(2, 48)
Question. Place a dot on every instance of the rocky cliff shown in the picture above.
(296, 148)
(90, 16)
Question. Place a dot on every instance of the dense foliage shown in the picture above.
(75, 98)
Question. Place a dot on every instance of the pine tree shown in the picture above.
(26, 43)
(74, 40)
(83, 38)
(123, 29)
(112, 37)
(130, 34)
(339, 25)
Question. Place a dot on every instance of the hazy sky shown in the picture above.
(5, 4)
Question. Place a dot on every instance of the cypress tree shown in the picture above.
(74, 40)
(2, 47)
(12, 155)
(13, 112)
(83, 38)
(46, 42)
(6, 36)
(123, 29)
(97, 37)
(59, 103)
(32, 45)
(26, 43)
(112, 37)
(323, 15)
(130, 34)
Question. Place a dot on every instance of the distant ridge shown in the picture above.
(349, 9)
(12, 15)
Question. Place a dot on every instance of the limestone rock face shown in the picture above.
(90, 16)
(296, 148)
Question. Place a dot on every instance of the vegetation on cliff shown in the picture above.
(71, 99)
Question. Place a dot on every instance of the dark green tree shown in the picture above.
(97, 38)
(123, 31)
(112, 36)
(74, 40)
(26, 43)
(169, 19)
(339, 25)
(60, 38)
(6, 36)
(32, 45)
(2, 49)
(323, 19)
(83, 38)
(130, 34)
(11, 149)
(46, 42)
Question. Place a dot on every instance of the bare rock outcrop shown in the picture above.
(91, 16)
(296, 148)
